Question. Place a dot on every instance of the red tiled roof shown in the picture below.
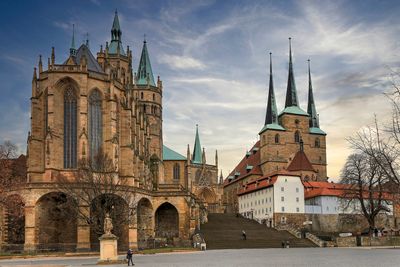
(300, 162)
(263, 182)
(315, 189)
(251, 160)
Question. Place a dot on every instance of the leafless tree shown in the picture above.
(97, 187)
(365, 191)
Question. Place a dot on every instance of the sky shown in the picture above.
(212, 59)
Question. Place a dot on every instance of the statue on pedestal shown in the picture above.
(108, 226)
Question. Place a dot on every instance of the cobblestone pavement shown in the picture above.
(243, 257)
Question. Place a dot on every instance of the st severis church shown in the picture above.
(85, 104)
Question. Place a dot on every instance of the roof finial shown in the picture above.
(87, 39)
(144, 38)
(290, 49)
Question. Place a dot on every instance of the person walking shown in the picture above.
(244, 235)
(129, 256)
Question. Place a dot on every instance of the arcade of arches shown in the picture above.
(51, 223)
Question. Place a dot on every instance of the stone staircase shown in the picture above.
(224, 231)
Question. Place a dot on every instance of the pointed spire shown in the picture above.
(34, 78)
(53, 56)
(188, 154)
(72, 49)
(145, 73)
(197, 155)
(291, 93)
(311, 110)
(221, 178)
(203, 157)
(116, 29)
(87, 39)
(40, 64)
(116, 37)
(216, 158)
(272, 113)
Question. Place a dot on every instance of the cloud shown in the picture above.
(181, 62)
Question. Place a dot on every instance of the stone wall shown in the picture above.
(349, 241)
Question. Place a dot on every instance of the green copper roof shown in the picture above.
(291, 93)
(145, 72)
(197, 156)
(272, 126)
(72, 49)
(315, 130)
(169, 154)
(294, 110)
(116, 37)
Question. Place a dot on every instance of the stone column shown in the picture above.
(133, 232)
(30, 227)
(83, 231)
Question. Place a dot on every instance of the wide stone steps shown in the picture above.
(224, 231)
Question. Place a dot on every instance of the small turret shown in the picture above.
(72, 49)
(221, 178)
(40, 64)
(203, 157)
(34, 82)
(53, 56)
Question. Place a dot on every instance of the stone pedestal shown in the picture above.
(108, 248)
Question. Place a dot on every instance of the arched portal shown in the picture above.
(207, 195)
(118, 210)
(145, 227)
(14, 219)
(56, 222)
(167, 222)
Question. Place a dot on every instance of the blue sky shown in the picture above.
(212, 58)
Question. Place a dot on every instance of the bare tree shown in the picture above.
(97, 187)
(365, 191)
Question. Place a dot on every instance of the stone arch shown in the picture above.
(56, 222)
(145, 226)
(118, 209)
(166, 222)
(207, 195)
(12, 221)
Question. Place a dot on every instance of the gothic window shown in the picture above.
(154, 97)
(141, 95)
(95, 123)
(317, 142)
(297, 137)
(176, 171)
(277, 139)
(70, 129)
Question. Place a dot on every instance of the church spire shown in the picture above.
(291, 94)
(272, 113)
(72, 49)
(197, 155)
(116, 37)
(145, 73)
(116, 30)
(311, 110)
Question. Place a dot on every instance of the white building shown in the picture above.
(279, 193)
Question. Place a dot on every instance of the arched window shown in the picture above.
(95, 124)
(70, 129)
(176, 171)
(317, 142)
(154, 97)
(297, 137)
(277, 139)
(141, 95)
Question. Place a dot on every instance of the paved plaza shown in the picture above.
(242, 257)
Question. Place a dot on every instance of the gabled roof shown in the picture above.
(169, 154)
(250, 159)
(272, 126)
(92, 63)
(300, 162)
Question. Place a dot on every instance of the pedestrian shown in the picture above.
(244, 235)
(283, 244)
(129, 256)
